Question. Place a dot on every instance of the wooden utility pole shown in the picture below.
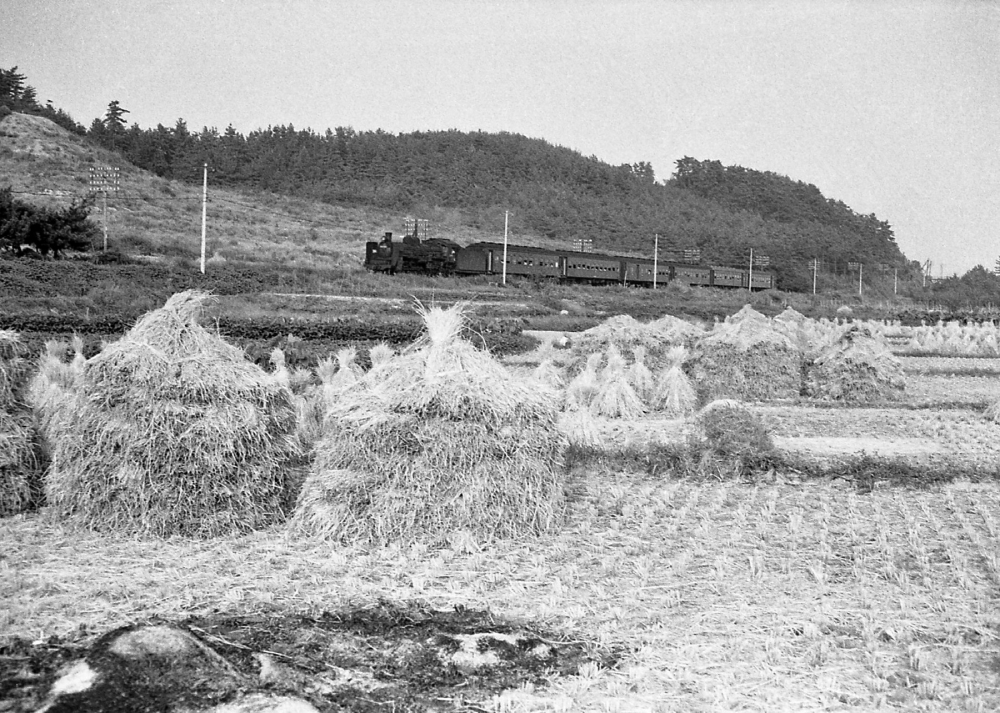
(104, 179)
(656, 254)
(204, 215)
(505, 215)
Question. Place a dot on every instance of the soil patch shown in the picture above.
(385, 658)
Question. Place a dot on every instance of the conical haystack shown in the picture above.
(581, 390)
(790, 315)
(745, 313)
(746, 359)
(20, 449)
(615, 397)
(548, 373)
(674, 394)
(857, 368)
(444, 440)
(171, 430)
(673, 331)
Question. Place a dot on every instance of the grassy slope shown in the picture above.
(162, 219)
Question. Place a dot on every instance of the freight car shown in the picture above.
(485, 258)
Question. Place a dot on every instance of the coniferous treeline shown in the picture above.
(17, 95)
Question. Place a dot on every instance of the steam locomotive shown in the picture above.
(437, 256)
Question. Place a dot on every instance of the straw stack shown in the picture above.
(746, 358)
(615, 397)
(549, 374)
(20, 450)
(441, 439)
(171, 430)
(673, 394)
(581, 390)
(746, 313)
(640, 377)
(626, 333)
(728, 428)
(857, 368)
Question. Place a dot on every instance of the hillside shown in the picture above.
(297, 200)
(47, 165)
(551, 192)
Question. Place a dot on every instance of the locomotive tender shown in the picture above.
(437, 256)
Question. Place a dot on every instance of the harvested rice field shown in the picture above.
(713, 596)
(797, 592)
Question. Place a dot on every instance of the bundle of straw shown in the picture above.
(171, 430)
(674, 396)
(615, 397)
(20, 463)
(580, 429)
(549, 374)
(21, 456)
(581, 390)
(445, 440)
(380, 354)
(51, 387)
(347, 375)
(640, 377)
(13, 367)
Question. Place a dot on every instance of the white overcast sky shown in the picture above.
(891, 107)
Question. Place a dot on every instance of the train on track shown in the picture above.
(438, 256)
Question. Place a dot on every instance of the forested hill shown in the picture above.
(551, 192)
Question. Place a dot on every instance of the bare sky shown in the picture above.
(891, 107)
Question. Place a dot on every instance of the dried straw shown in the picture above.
(747, 313)
(640, 377)
(674, 394)
(548, 373)
(746, 358)
(625, 333)
(171, 430)
(615, 397)
(13, 367)
(21, 463)
(444, 440)
(21, 456)
(581, 390)
(380, 353)
(857, 368)
(580, 429)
